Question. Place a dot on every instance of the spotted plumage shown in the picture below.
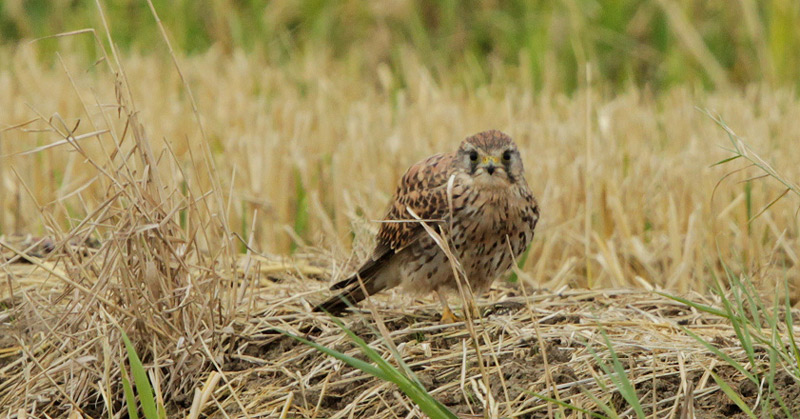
(476, 197)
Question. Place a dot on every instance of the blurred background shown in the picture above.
(653, 43)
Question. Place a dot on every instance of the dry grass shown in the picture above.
(529, 344)
(158, 188)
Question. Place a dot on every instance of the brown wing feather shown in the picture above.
(423, 188)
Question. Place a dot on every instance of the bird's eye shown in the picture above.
(507, 155)
(473, 155)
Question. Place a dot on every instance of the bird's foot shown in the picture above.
(448, 317)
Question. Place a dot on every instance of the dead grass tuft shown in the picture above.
(149, 275)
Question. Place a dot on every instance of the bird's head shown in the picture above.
(491, 158)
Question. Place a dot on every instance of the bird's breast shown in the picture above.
(480, 216)
(486, 218)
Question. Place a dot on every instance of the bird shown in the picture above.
(476, 197)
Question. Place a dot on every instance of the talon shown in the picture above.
(448, 317)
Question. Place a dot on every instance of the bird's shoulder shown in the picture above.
(423, 189)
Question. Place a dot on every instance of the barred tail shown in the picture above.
(352, 293)
(338, 304)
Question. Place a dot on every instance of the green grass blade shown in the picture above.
(143, 387)
(183, 212)
(243, 227)
(701, 307)
(772, 391)
(606, 408)
(349, 360)
(412, 388)
(733, 395)
(738, 321)
(725, 357)
(376, 357)
(723, 161)
(520, 264)
(755, 303)
(790, 327)
(602, 365)
(768, 206)
(130, 398)
(301, 219)
(363, 345)
(384, 371)
(600, 384)
(620, 378)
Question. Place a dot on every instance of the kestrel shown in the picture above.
(476, 198)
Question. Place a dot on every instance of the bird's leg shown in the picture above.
(447, 314)
(472, 306)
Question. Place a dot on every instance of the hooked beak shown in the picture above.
(489, 163)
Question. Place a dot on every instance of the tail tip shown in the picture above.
(333, 306)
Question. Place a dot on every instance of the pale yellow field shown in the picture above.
(344, 138)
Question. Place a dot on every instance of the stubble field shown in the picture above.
(201, 207)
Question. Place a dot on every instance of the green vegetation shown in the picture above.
(653, 43)
(404, 378)
(144, 389)
(766, 340)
